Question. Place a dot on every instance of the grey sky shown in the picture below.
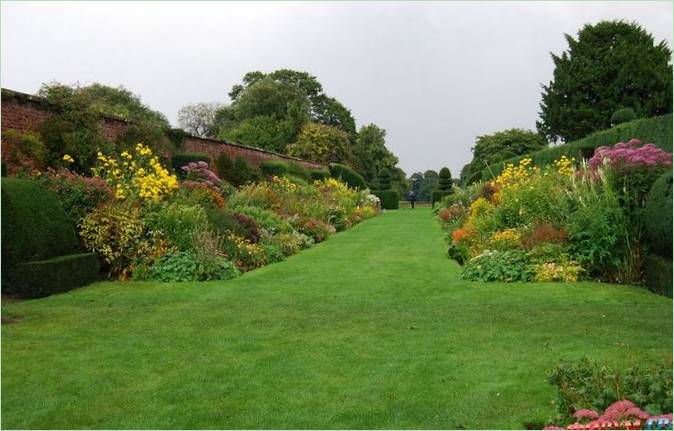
(433, 74)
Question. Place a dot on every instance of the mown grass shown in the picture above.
(371, 329)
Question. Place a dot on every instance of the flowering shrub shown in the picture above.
(620, 415)
(628, 155)
(245, 254)
(200, 173)
(136, 176)
(551, 271)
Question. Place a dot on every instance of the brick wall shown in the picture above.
(24, 113)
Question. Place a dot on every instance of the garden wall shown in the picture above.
(24, 113)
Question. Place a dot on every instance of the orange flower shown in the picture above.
(458, 235)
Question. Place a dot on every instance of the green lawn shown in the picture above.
(371, 329)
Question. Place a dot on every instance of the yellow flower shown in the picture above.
(68, 158)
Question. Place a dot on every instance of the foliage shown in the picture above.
(185, 266)
(623, 115)
(423, 184)
(491, 149)
(658, 215)
(274, 167)
(657, 130)
(74, 130)
(322, 144)
(445, 180)
(183, 159)
(34, 225)
(199, 119)
(136, 177)
(658, 271)
(78, 194)
(23, 152)
(177, 223)
(118, 234)
(267, 114)
(507, 266)
(586, 384)
(590, 80)
(318, 174)
(237, 172)
(370, 152)
(620, 415)
(347, 175)
(47, 277)
(266, 219)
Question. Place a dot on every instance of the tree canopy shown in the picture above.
(322, 144)
(609, 66)
(370, 152)
(199, 119)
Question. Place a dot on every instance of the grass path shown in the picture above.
(371, 329)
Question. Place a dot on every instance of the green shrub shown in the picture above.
(244, 172)
(655, 130)
(658, 274)
(347, 175)
(438, 195)
(180, 160)
(389, 198)
(658, 215)
(586, 384)
(55, 275)
(178, 222)
(297, 180)
(624, 115)
(23, 152)
(34, 225)
(299, 171)
(319, 174)
(272, 168)
(273, 252)
(445, 186)
(266, 219)
(506, 266)
(185, 266)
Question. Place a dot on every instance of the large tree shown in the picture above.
(322, 108)
(199, 119)
(322, 144)
(267, 114)
(499, 146)
(370, 152)
(609, 66)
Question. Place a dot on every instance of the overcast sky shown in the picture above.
(434, 75)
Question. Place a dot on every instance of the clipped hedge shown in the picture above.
(39, 244)
(274, 168)
(389, 198)
(655, 130)
(658, 215)
(34, 224)
(658, 274)
(180, 160)
(437, 195)
(56, 275)
(299, 171)
(347, 175)
(319, 174)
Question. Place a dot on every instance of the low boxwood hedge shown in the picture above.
(389, 198)
(319, 174)
(56, 275)
(655, 130)
(658, 274)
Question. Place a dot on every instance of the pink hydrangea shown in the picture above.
(586, 414)
(200, 172)
(631, 154)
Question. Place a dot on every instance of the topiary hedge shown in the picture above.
(299, 171)
(56, 275)
(658, 274)
(445, 185)
(347, 175)
(180, 160)
(319, 174)
(389, 198)
(272, 168)
(658, 215)
(655, 130)
(35, 230)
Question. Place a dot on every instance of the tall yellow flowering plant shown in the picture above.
(138, 175)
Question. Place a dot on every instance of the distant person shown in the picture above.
(412, 198)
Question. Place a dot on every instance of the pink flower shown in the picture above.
(586, 414)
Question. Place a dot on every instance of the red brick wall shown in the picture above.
(24, 113)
